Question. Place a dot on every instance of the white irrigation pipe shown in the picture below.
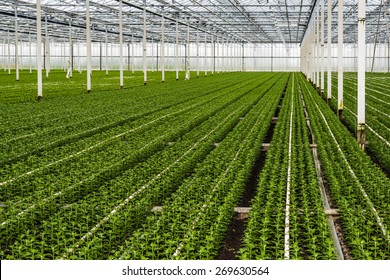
(287, 218)
(373, 108)
(59, 193)
(366, 197)
(140, 190)
(53, 128)
(204, 206)
(95, 146)
(370, 89)
(371, 129)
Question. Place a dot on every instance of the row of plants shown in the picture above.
(357, 187)
(377, 118)
(72, 212)
(288, 177)
(194, 220)
(57, 87)
(24, 116)
(106, 152)
(21, 141)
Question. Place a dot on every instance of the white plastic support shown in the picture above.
(39, 50)
(162, 49)
(329, 93)
(89, 50)
(361, 102)
(144, 48)
(340, 58)
(120, 45)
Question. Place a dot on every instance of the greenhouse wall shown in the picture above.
(250, 57)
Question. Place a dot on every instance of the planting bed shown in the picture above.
(160, 171)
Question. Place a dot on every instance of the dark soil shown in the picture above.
(233, 238)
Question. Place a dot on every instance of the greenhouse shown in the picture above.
(195, 130)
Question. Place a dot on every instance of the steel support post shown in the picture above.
(318, 50)
(322, 48)
(16, 46)
(29, 53)
(162, 50)
(361, 102)
(144, 47)
(106, 47)
(212, 55)
(47, 50)
(205, 54)
(120, 45)
(132, 55)
(9, 53)
(177, 51)
(329, 92)
(89, 50)
(340, 59)
(188, 74)
(39, 50)
(197, 53)
(70, 61)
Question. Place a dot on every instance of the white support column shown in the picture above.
(70, 61)
(89, 50)
(78, 57)
(9, 53)
(64, 65)
(212, 55)
(188, 73)
(217, 56)
(197, 53)
(322, 47)
(205, 54)
(340, 59)
(47, 50)
(152, 63)
(29, 52)
(162, 49)
(361, 102)
(329, 93)
(132, 55)
(223, 57)
(314, 53)
(16, 46)
(106, 57)
(39, 51)
(177, 51)
(318, 51)
(120, 46)
(144, 48)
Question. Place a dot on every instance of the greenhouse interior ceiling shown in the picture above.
(237, 21)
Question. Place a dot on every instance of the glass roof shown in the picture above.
(243, 21)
